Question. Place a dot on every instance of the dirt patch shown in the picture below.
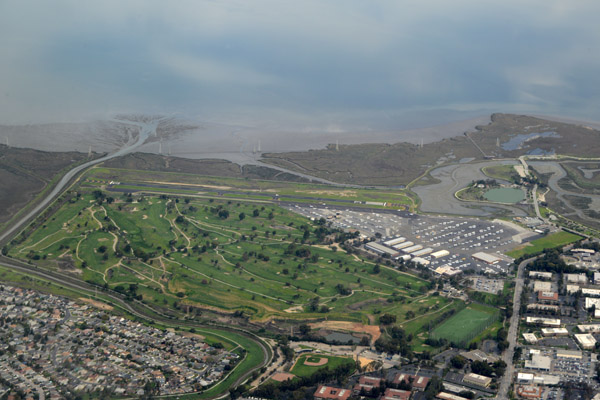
(356, 327)
(97, 304)
(294, 309)
(282, 376)
(144, 217)
(320, 362)
(341, 193)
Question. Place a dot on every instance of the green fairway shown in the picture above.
(465, 325)
(557, 239)
(257, 259)
(300, 368)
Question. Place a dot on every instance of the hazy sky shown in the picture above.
(312, 62)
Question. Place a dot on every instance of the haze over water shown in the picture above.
(334, 66)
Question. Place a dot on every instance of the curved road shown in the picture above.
(146, 130)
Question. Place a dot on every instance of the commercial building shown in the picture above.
(547, 332)
(478, 380)
(530, 338)
(529, 392)
(478, 355)
(576, 278)
(552, 322)
(326, 393)
(548, 297)
(447, 270)
(541, 286)
(440, 254)
(585, 340)
(540, 275)
(592, 302)
(539, 362)
(572, 354)
(543, 307)
(486, 257)
(593, 328)
(596, 277)
(590, 292)
(449, 396)
(572, 289)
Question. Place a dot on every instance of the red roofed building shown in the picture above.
(529, 392)
(417, 382)
(548, 297)
(395, 394)
(367, 383)
(326, 392)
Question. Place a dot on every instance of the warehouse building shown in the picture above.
(412, 249)
(422, 252)
(403, 245)
(440, 254)
(381, 249)
(394, 241)
(486, 258)
(420, 260)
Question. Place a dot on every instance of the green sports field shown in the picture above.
(300, 369)
(464, 325)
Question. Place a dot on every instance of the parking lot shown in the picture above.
(462, 237)
(487, 285)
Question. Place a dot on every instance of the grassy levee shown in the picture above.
(504, 172)
(553, 240)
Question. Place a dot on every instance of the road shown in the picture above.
(513, 331)
(146, 130)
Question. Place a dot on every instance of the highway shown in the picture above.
(513, 331)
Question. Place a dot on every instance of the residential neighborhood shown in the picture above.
(51, 346)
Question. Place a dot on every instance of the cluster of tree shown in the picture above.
(551, 261)
(483, 368)
(397, 343)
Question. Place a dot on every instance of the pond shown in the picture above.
(505, 195)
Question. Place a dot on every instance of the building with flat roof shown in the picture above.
(421, 260)
(584, 251)
(449, 396)
(478, 355)
(486, 257)
(381, 249)
(552, 322)
(548, 297)
(440, 254)
(541, 286)
(530, 338)
(596, 277)
(572, 289)
(543, 307)
(592, 302)
(547, 332)
(572, 354)
(412, 249)
(539, 362)
(422, 252)
(585, 340)
(589, 328)
(590, 292)
(477, 380)
(540, 275)
(327, 392)
(394, 241)
(529, 392)
(403, 245)
(576, 278)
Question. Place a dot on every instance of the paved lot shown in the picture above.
(461, 236)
